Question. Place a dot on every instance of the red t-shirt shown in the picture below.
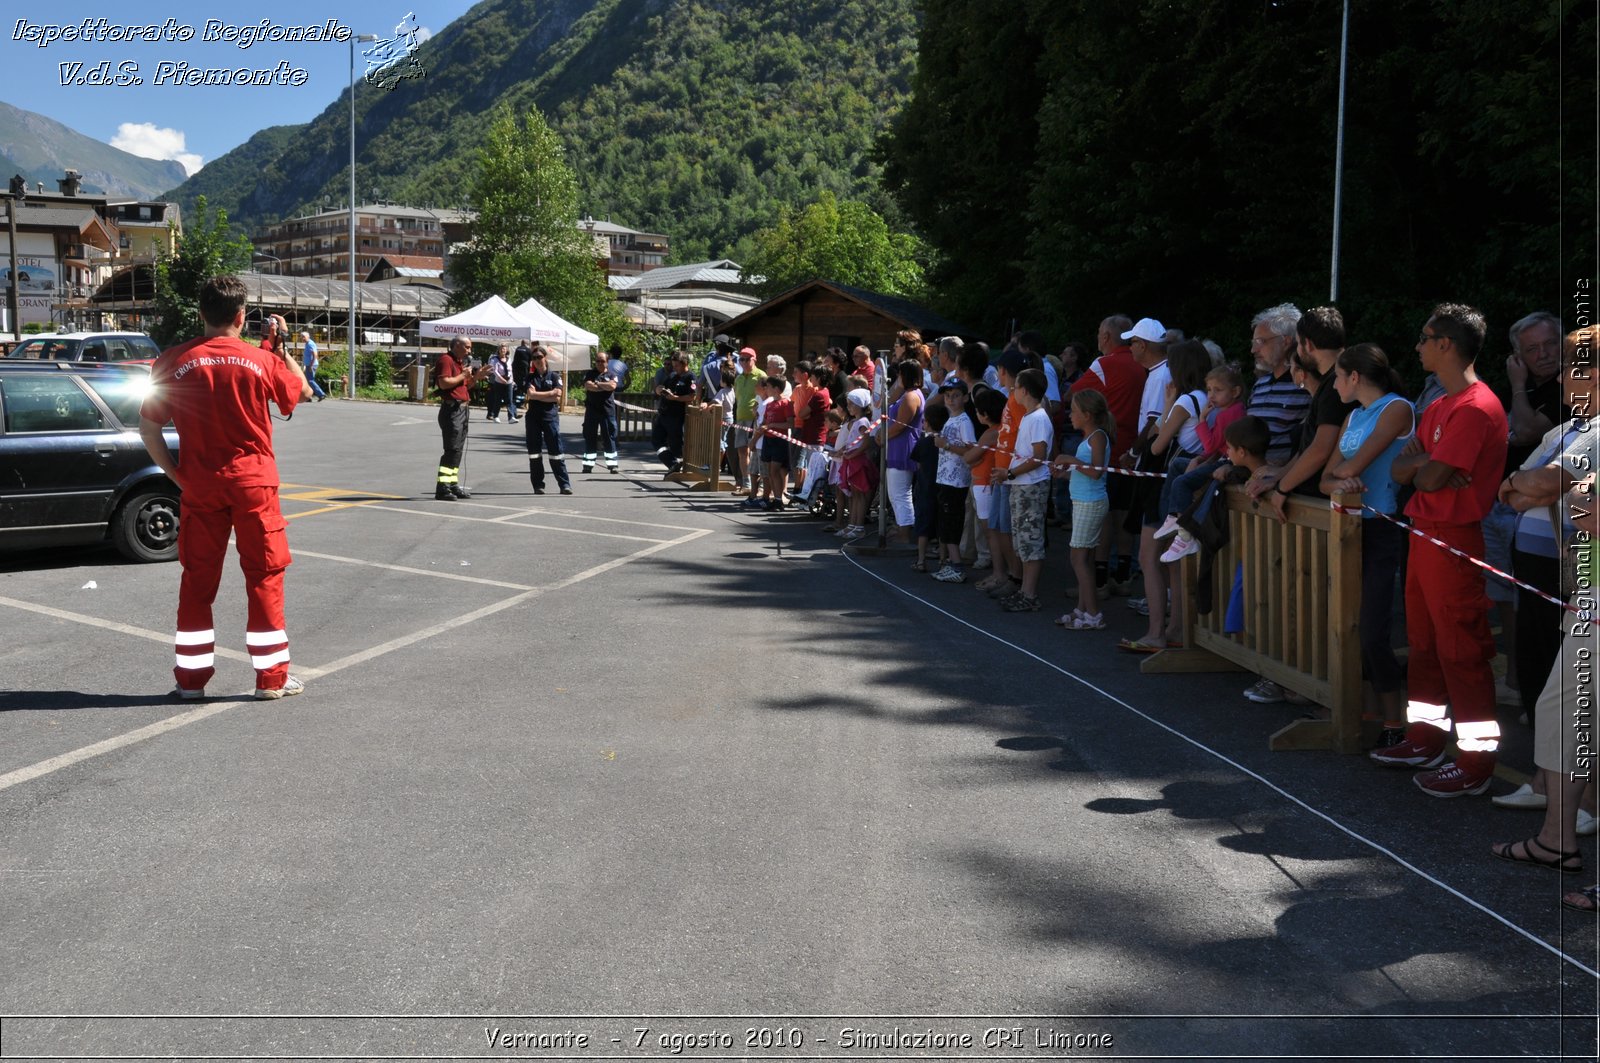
(1120, 378)
(815, 424)
(1467, 432)
(216, 391)
(778, 411)
(448, 366)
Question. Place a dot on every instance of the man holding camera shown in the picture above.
(216, 391)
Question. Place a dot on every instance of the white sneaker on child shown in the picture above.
(1181, 547)
(1169, 528)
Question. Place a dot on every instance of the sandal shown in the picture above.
(1088, 622)
(1138, 646)
(1068, 619)
(1588, 900)
(1557, 861)
(1020, 603)
(919, 566)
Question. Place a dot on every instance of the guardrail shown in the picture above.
(1302, 608)
(702, 450)
(633, 426)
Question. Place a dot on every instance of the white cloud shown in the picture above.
(146, 141)
(424, 34)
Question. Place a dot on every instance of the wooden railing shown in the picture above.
(702, 450)
(633, 426)
(1302, 608)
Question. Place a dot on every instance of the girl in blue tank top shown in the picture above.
(1373, 436)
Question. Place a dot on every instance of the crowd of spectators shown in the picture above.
(972, 457)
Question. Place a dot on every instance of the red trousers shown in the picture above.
(1447, 625)
(209, 514)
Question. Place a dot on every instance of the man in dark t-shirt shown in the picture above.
(599, 413)
(676, 391)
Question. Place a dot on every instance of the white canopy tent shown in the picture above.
(491, 321)
(570, 346)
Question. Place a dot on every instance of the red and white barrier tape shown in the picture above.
(1441, 544)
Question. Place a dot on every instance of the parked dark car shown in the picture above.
(88, 347)
(72, 466)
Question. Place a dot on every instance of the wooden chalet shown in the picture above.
(820, 314)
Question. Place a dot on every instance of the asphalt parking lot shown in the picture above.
(638, 753)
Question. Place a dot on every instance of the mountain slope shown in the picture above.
(41, 149)
(697, 118)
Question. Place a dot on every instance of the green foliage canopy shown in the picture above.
(525, 239)
(204, 251)
(845, 242)
(1072, 158)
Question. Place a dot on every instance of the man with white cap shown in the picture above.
(1147, 341)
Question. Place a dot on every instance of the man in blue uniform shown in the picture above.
(543, 422)
(599, 413)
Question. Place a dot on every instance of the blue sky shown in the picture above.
(192, 123)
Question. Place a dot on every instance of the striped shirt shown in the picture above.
(1277, 401)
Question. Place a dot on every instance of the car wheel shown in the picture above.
(145, 528)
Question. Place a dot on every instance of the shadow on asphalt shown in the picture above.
(59, 700)
(1346, 926)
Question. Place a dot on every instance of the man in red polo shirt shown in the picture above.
(1454, 462)
(454, 382)
(1118, 376)
(215, 390)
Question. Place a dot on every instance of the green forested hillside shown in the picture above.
(698, 118)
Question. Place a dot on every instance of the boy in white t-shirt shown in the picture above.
(954, 478)
(1029, 477)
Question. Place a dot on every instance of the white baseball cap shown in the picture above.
(1148, 329)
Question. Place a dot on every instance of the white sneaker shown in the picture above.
(291, 687)
(1139, 605)
(1587, 823)
(1265, 692)
(1522, 797)
(1168, 528)
(1181, 547)
(950, 574)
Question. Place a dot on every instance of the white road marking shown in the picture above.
(164, 637)
(573, 514)
(45, 767)
(66, 760)
(489, 610)
(414, 571)
(455, 515)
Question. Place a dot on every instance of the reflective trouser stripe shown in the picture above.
(264, 638)
(449, 476)
(1482, 736)
(588, 457)
(1423, 712)
(268, 660)
(201, 647)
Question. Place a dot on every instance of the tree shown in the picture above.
(525, 238)
(1175, 158)
(844, 242)
(204, 251)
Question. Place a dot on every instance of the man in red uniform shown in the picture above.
(215, 391)
(1454, 462)
(1118, 376)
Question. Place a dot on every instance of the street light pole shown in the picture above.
(1338, 155)
(350, 332)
